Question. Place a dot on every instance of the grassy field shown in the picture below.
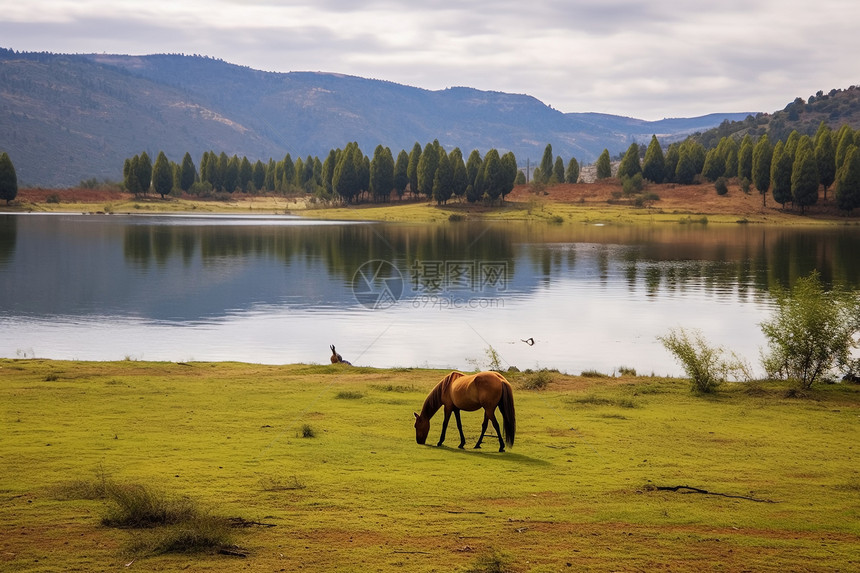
(321, 464)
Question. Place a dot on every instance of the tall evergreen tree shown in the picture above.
(715, 166)
(187, 173)
(162, 175)
(401, 173)
(288, 173)
(231, 174)
(630, 165)
(474, 165)
(144, 172)
(494, 175)
(572, 173)
(381, 174)
(246, 173)
(557, 170)
(791, 143)
(762, 155)
(271, 175)
(745, 159)
(685, 172)
(8, 179)
(412, 168)
(673, 154)
(848, 183)
(604, 165)
(510, 170)
(131, 183)
(346, 181)
(728, 150)
(844, 139)
(443, 180)
(825, 158)
(258, 177)
(780, 174)
(458, 166)
(427, 169)
(328, 171)
(654, 168)
(696, 152)
(804, 178)
(546, 164)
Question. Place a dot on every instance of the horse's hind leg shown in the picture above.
(483, 431)
(498, 433)
(460, 427)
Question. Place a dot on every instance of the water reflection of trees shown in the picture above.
(747, 261)
(341, 248)
(8, 237)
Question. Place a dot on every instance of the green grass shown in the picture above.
(578, 487)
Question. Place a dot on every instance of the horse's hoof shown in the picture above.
(501, 450)
(462, 446)
(477, 446)
(439, 445)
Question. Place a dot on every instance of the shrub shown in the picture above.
(703, 363)
(721, 185)
(593, 374)
(52, 198)
(135, 505)
(536, 380)
(491, 561)
(626, 371)
(811, 333)
(308, 432)
(631, 185)
(349, 395)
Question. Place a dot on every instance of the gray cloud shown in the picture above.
(644, 59)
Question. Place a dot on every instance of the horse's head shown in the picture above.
(422, 428)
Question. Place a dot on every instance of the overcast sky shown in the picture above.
(648, 59)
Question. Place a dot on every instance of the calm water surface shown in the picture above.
(279, 290)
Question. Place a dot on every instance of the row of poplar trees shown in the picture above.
(793, 171)
(345, 174)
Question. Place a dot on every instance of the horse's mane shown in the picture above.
(434, 399)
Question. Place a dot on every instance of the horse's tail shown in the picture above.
(506, 405)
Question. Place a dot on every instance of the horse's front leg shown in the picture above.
(460, 427)
(483, 431)
(445, 425)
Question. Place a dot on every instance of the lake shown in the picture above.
(281, 289)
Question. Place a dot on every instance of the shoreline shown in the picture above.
(558, 205)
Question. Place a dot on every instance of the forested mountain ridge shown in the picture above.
(64, 118)
(836, 108)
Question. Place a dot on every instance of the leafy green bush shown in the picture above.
(811, 333)
(631, 185)
(721, 185)
(704, 364)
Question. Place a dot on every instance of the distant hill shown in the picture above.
(65, 118)
(835, 108)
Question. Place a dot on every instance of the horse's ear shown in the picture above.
(415, 414)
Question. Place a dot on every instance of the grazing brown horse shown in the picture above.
(457, 391)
